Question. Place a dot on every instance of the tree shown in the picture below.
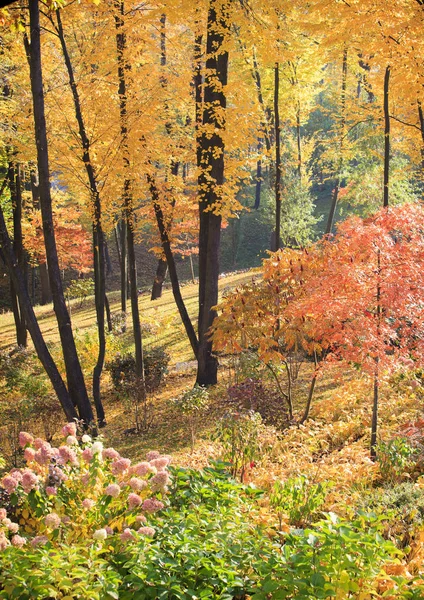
(211, 179)
(76, 384)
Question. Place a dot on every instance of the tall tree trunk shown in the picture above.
(258, 186)
(386, 137)
(46, 296)
(210, 180)
(123, 67)
(14, 177)
(421, 117)
(335, 197)
(166, 245)
(265, 130)
(76, 384)
(299, 142)
(11, 262)
(161, 271)
(277, 238)
(162, 263)
(98, 237)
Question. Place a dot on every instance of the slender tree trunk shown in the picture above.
(18, 248)
(335, 197)
(123, 67)
(11, 261)
(258, 186)
(299, 142)
(98, 237)
(264, 127)
(211, 178)
(386, 137)
(277, 238)
(162, 263)
(76, 384)
(374, 420)
(421, 117)
(123, 261)
(46, 296)
(108, 314)
(172, 268)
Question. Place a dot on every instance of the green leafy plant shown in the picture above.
(240, 434)
(299, 499)
(193, 404)
(80, 289)
(395, 458)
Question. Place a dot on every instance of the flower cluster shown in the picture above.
(81, 486)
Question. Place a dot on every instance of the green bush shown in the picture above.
(122, 369)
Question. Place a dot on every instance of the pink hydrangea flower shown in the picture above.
(43, 454)
(127, 535)
(113, 490)
(147, 531)
(39, 540)
(152, 455)
(52, 521)
(25, 439)
(109, 530)
(3, 514)
(141, 469)
(160, 463)
(69, 429)
(85, 478)
(120, 465)
(9, 483)
(88, 503)
(159, 481)
(13, 527)
(137, 484)
(66, 519)
(71, 440)
(4, 542)
(110, 453)
(38, 443)
(18, 541)
(151, 505)
(29, 481)
(87, 455)
(16, 474)
(51, 490)
(29, 454)
(141, 519)
(67, 455)
(134, 500)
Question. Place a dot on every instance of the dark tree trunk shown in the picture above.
(46, 296)
(98, 237)
(258, 186)
(277, 237)
(386, 137)
(76, 384)
(108, 315)
(335, 197)
(211, 178)
(172, 268)
(15, 274)
(299, 142)
(421, 117)
(129, 218)
(14, 177)
(265, 130)
(123, 262)
(161, 271)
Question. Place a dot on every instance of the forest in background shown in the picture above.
(148, 151)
